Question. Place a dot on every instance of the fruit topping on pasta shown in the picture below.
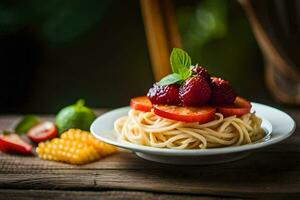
(189, 109)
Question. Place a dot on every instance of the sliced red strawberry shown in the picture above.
(13, 143)
(239, 107)
(186, 114)
(141, 103)
(43, 131)
(200, 71)
(222, 92)
(167, 94)
(194, 92)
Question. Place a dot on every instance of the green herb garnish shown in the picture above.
(181, 67)
(27, 122)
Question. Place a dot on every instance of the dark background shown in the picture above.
(55, 52)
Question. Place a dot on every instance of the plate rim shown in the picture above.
(193, 152)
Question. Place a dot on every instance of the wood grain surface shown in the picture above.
(272, 172)
(93, 195)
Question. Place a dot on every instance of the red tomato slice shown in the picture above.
(240, 107)
(13, 143)
(42, 131)
(141, 103)
(186, 114)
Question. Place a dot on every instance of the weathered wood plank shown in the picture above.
(121, 160)
(93, 195)
(259, 174)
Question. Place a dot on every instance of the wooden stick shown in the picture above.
(156, 38)
(171, 24)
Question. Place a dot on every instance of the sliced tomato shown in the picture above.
(186, 114)
(13, 143)
(141, 103)
(240, 107)
(43, 131)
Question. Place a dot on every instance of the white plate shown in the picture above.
(277, 124)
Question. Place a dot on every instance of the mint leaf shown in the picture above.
(181, 67)
(185, 72)
(170, 79)
(26, 123)
(180, 61)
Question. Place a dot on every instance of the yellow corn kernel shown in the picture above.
(75, 147)
(102, 148)
(69, 154)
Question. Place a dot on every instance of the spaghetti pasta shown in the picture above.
(149, 129)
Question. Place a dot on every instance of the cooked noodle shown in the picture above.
(146, 128)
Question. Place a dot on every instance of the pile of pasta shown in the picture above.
(149, 129)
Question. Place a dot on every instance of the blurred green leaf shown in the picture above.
(27, 122)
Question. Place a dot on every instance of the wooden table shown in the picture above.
(272, 172)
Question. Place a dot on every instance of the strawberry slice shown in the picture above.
(240, 107)
(43, 131)
(13, 143)
(141, 103)
(186, 114)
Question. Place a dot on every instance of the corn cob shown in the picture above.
(102, 148)
(76, 147)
